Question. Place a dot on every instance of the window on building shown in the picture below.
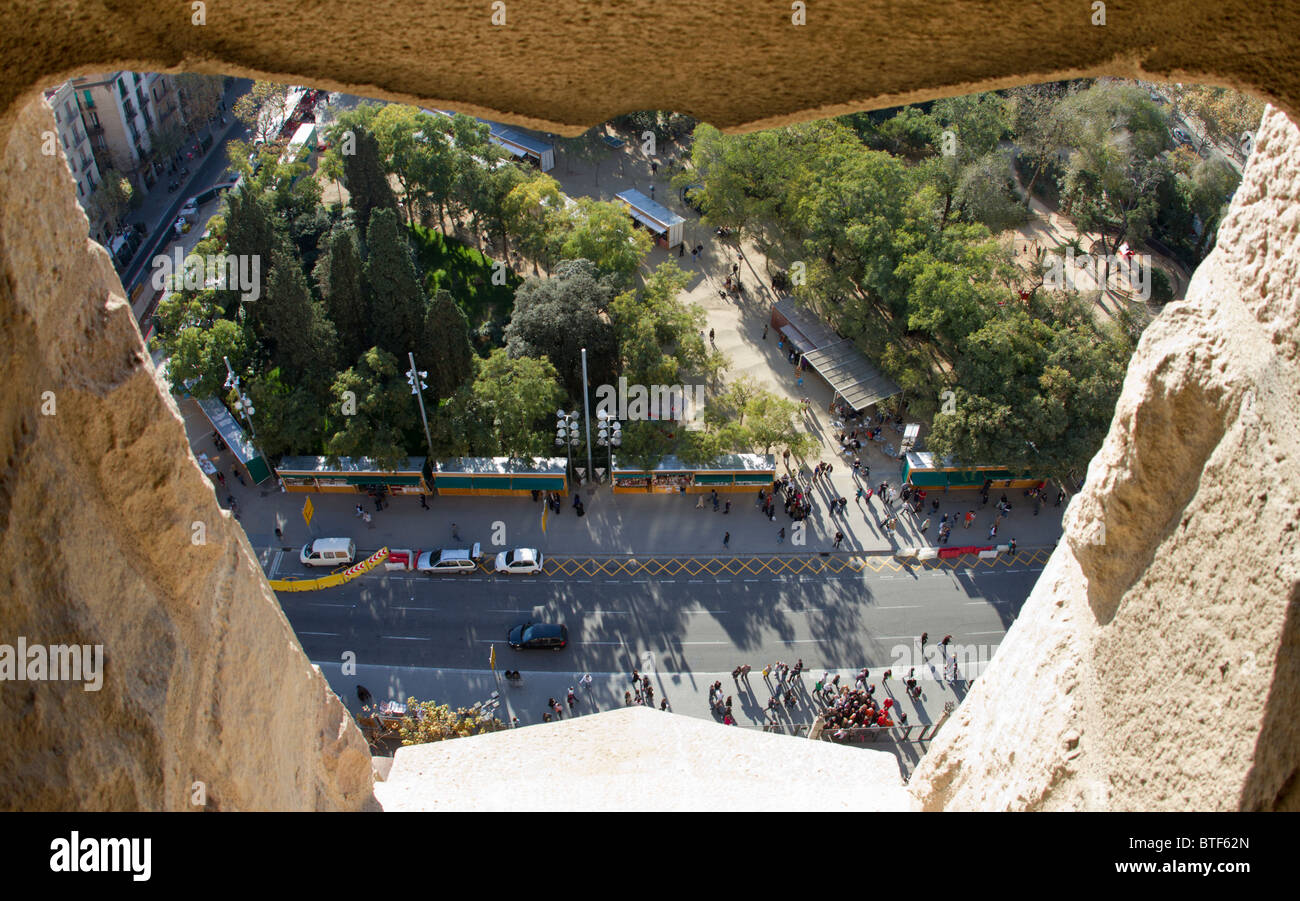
(121, 87)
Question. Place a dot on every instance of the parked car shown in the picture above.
(521, 560)
(190, 207)
(328, 552)
(538, 636)
(449, 560)
(1181, 136)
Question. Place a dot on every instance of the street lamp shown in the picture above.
(566, 432)
(610, 434)
(416, 379)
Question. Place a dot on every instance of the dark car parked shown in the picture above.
(534, 636)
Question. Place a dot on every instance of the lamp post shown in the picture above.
(566, 432)
(609, 434)
(416, 379)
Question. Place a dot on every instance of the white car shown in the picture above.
(191, 207)
(448, 561)
(521, 560)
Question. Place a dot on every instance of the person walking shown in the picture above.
(455, 532)
(727, 508)
(663, 705)
(711, 341)
(726, 539)
(765, 331)
(699, 504)
(780, 536)
(1011, 545)
(360, 511)
(925, 525)
(714, 496)
(970, 518)
(924, 636)
(839, 539)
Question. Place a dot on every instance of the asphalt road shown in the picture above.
(683, 625)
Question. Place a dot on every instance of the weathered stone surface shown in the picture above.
(1155, 665)
(638, 758)
(204, 679)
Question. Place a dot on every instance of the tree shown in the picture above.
(301, 339)
(263, 109)
(603, 233)
(167, 142)
(196, 363)
(534, 213)
(251, 232)
(559, 316)
(338, 274)
(428, 721)
(366, 180)
(111, 197)
(447, 343)
(986, 194)
(514, 400)
(199, 96)
(290, 418)
(385, 418)
(397, 306)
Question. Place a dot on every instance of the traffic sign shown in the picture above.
(307, 511)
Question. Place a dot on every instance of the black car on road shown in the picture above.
(534, 636)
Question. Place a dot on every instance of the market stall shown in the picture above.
(500, 475)
(355, 475)
(732, 472)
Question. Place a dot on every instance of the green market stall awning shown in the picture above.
(231, 433)
(926, 470)
(672, 474)
(500, 474)
(354, 471)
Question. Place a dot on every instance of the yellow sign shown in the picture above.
(492, 659)
(307, 511)
(545, 508)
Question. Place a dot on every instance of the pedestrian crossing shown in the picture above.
(776, 565)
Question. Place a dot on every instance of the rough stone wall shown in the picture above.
(1157, 663)
(204, 679)
(1133, 663)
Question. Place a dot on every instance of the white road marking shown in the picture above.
(405, 638)
(415, 608)
(900, 607)
(317, 633)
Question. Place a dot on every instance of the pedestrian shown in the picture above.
(993, 531)
(278, 534)
(546, 717)
(1011, 545)
(970, 518)
(735, 674)
(728, 508)
(765, 331)
(365, 517)
(221, 479)
(839, 539)
(359, 511)
(627, 699)
(780, 536)
(455, 532)
(744, 672)
(636, 677)
(663, 704)
(946, 639)
(767, 671)
(572, 698)
(726, 539)
(423, 503)
(238, 475)
(885, 676)
(711, 341)
(926, 524)
(924, 636)
(699, 505)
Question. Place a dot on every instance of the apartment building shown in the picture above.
(72, 136)
(123, 113)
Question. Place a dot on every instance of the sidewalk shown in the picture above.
(645, 525)
(687, 693)
(159, 208)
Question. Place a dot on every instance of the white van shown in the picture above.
(328, 552)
